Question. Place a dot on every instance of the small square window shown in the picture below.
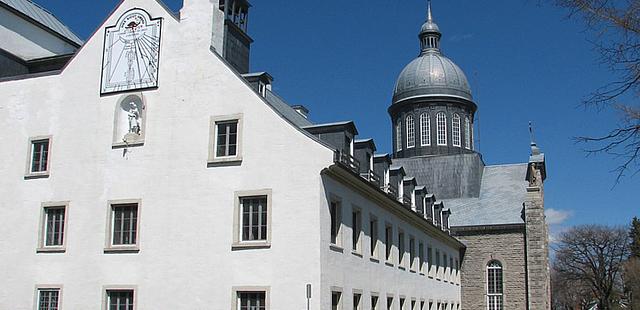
(48, 299)
(120, 299)
(225, 140)
(39, 157)
(52, 228)
(252, 219)
(123, 226)
(252, 301)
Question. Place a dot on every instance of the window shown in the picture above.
(336, 221)
(421, 257)
(254, 218)
(389, 302)
(226, 139)
(437, 263)
(455, 126)
(374, 302)
(429, 259)
(336, 300)
(422, 305)
(442, 128)
(356, 226)
(444, 269)
(356, 301)
(48, 298)
(494, 286)
(399, 136)
(120, 300)
(38, 163)
(425, 129)
(373, 233)
(252, 301)
(388, 241)
(401, 248)
(467, 133)
(412, 252)
(411, 132)
(402, 303)
(123, 225)
(413, 305)
(53, 227)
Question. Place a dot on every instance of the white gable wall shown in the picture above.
(186, 211)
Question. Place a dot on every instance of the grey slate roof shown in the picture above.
(44, 17)
(502, 192)
(286, 110)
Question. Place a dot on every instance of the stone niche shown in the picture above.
(129, 121)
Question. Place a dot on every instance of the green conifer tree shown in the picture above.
(634, 235)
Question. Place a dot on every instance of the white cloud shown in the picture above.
(556, 217)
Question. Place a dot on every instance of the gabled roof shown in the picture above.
(43, 17)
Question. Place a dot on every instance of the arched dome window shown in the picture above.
(494, 286)
(455, 126)
(425, 129)
(467, 133)
(399, 136)
(411, 132)
(441, 119)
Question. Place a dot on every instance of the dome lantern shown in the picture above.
(429, 34)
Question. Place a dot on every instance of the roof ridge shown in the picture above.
(505, 165)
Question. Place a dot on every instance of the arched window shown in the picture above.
(442, 128)
(494, 286)
(455, 128)
(467, 133)
(399, 136)
(425, 129)
(411, 132)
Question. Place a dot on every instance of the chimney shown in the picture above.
(203, 22)
(302, 110)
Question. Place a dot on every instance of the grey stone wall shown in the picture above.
(508, 247)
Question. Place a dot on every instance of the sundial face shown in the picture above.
(131, 53)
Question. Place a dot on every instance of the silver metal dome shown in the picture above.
(431, 74)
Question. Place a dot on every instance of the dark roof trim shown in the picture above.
(478, 229)
(382, 157)
(364, 143)
(333, 127)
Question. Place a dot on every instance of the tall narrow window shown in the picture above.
(455, 128)
(374, 302)
(401, 248)
(53, 226)
(425, 129)
(442, 128)
(254, 218)
(336, 222)
(402, 303)
(252, 301)
(120, 300)
(429, 259)
(421, 257)
(388, 241)
(494, 286)
(412, 252)
(335, 300)
(48, 299)
(356, 226)
(437, 264)
(467, 133)
(373, 233)
(399, 136)
(226, 138)
(389, 303)
(39, 155)
(356, 301)
(124, 224)
(411, 132)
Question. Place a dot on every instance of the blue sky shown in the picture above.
(525, 62)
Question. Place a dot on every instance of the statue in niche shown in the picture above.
(134, 118)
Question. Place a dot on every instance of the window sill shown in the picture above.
(413, 271)
(422, 273)
(402, 268)
(336, 248)
(374, 260)
(430, 276)
(224, 161)
(250, 246)
(122, 145)
(51, 250)
(36, 175)
(356, 253)
(388, 264)
(121, 249)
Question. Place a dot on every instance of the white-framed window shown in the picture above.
(123, 227)
(48, 298)
(425, 129)
(467, 133)
(411, 132)
(252, 220)
(225, 143)
(356, 229)
(38, 160)
(494, 286)
(373, 234)
(53, 226)
(455, 130)
(441, 120)
(335, 211)
(399, 136)
(254, 300)
(120, 299)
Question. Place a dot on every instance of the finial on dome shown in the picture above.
(429, 33)
(429, 18)
(534, 147)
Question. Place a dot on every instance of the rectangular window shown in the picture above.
(336, 221)
(226, 138)
(422, 305)
(120, 300)
(54, 226)
(374, 302)
(373, 233)
(425, 129)
(412, 252)
(254, 218)
(441, 119)
(437, 263)
(389, 303)
(356, 226)
(421, 257)
(48, 299)
(399, 136)
(429, 259)
(413, 305)
(335, 300)
(401, 248)
(388, 241)
(124, 224)
(356, 301)
(444, 269)
(39, 155)
(252, 301)
(402, 300)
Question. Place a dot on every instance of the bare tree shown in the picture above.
(569, 294)
(616, 28)
(593, 255)
(632, 282)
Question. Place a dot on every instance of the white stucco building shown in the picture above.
(153, 171)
